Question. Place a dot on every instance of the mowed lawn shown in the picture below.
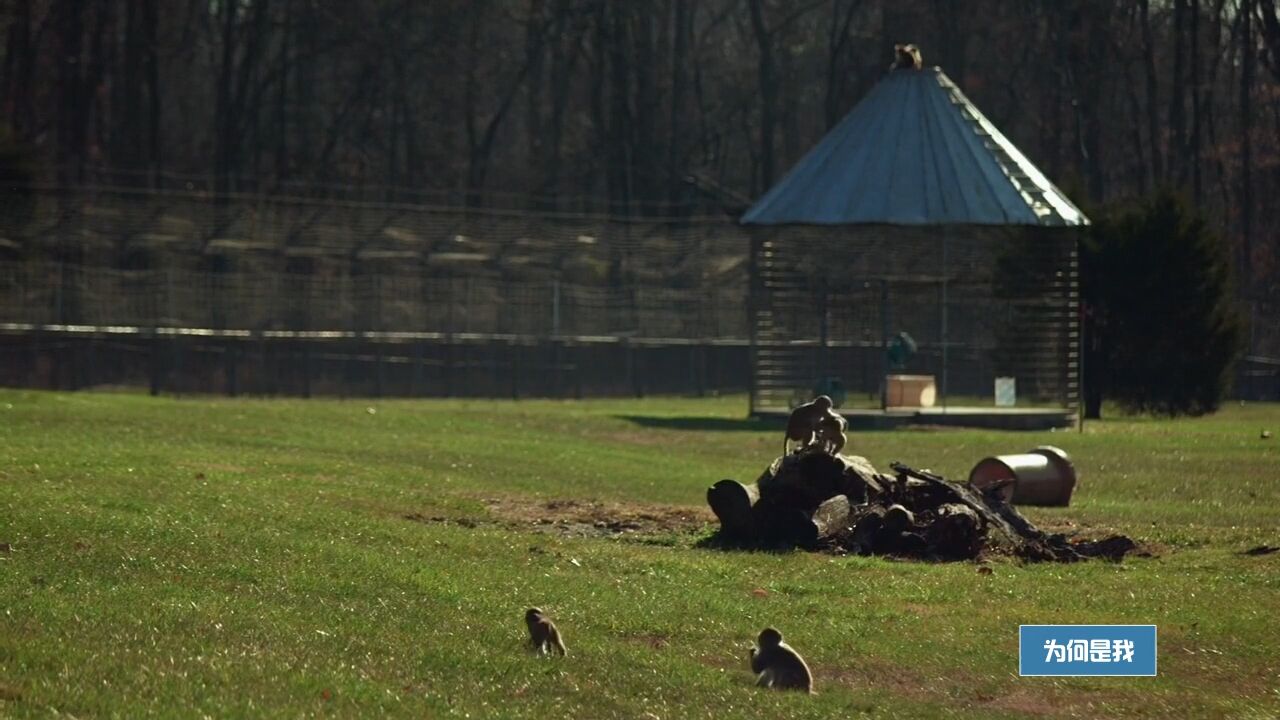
(255, 558)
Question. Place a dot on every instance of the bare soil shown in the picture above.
(585, 518)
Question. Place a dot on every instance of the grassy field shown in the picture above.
(354, 558)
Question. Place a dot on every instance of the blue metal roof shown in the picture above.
(915, 151)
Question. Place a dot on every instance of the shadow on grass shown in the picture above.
(706, 424)
(718, 541)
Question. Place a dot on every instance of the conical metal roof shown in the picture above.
(915, 151)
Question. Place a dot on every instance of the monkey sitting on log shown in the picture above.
(815, 421)
(830, 434)
(778, 664)
(804, 420)
(543, 635)
(907, 57)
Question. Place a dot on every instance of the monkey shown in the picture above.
(804, 420)
(778, 664)
(831, 434)
(543, 635)
(907, 58)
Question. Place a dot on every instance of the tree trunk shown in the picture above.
(98, 122)
(19, 64)
(535, 143)
(128, 150)
(72, 111)
(1153, 122)
(837, 41)
(1177, 131)
(768, 86)
(643, 148)
(1096, 32)
(602, 172)
(222, 104)
(620, 125)
(1197, 189)
(155, 131)
(480, 143)
(1247, 65)
(564, 57)
(284, 64)
(304, 27)
(682, 29)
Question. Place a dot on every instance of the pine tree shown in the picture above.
(1165, 331)
(17, 175)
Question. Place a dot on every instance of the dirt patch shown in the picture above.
(652, 641)
(960, 690)
(583, 518)
(1099, 541)
(600, 518)
(900, 681)
(1025, 702)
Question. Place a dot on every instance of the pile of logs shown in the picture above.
(819, 500)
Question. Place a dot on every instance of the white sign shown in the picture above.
(1006, 392)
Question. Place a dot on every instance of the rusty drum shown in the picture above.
(1043, 476)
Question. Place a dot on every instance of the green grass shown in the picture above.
(253, 558)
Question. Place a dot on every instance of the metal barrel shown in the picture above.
(1043, 476)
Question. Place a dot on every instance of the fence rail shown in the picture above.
(174, 287)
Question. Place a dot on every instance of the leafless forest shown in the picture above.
(612, 104)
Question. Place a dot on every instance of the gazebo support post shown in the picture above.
(884, 343)
(753, 310)
(946, 230)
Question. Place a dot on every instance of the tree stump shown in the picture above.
(732, 503)
(806, 479)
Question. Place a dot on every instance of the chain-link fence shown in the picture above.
(300, 295)
(182, 260)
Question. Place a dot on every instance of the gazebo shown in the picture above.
(916, 218)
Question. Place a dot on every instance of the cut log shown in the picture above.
(829, 522)
(956, 532)
(907, 544)
(867, 521)
(898, 518)
(732, 503)
(812, 499)
(962, 494)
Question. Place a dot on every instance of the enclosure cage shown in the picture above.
(979, 302)
(915, 219)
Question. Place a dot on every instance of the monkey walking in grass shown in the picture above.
(778, 664)
(544, 637)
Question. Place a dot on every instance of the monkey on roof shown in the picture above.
(907, 57)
